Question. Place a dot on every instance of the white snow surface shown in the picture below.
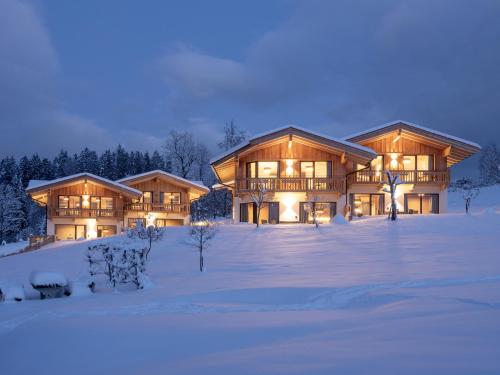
(198, 184)
(12, 248)
(417, 296)
(47, 278)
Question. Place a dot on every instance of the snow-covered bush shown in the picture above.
(49, 284)
(339, 219)
(200, 235)
(11, 292)
(121, 263)
(150, 233)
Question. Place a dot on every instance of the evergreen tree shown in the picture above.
(107, 165)
(87, 161)
(24, 170)
(489, 165)
(8, 170)
(35, 168)
(157, 162)
(47, 170)
(147, 162)
(63, 165)
(12, 217)
(122, 167)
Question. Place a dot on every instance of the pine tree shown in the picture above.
(107, 165)
(157, 162)
(47, 170)
(8, 170)
(122, 166)
(35, 168)
(87, 161)
(12, 217)
(63, 164)
(489, 165)
(24, 170)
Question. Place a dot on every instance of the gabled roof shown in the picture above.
(409, 125)
(35, 186)
(457, 149)
(296, 130)
(198, 185)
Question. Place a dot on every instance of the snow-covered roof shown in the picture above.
(410, 124)
(197, 184)
(39, 184)
(317, 134)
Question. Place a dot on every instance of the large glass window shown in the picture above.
(319, 169)
(70, 201)
(107, 203)
(424, 162)
(252, 170)
(367, 204)
(409, 163)
(422, 203)
(377, 164)
(147, 197)
(171, 198)
(267, 169)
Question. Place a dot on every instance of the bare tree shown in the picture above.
(469, 190)
(313, 208)
(259, 194)
(203, 164)
(232, 136)
(201, 233)
(393, 181)
(180, 149)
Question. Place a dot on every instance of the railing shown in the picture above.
(291, 184)
(84, 212)
(158, 207)
(413, 177)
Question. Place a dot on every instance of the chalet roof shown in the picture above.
(194, 184)
(456, 149)
(35, 186)
(292, 129)
(368, 133)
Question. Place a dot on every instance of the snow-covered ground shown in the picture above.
(419, 296)
(12, 248)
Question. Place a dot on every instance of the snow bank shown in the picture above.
(11, 292)
(339, 219)
(48, 279)
(12, 248)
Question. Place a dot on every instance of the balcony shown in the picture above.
(410, 177)
(181, 208)
(326, 184)
(85, 212)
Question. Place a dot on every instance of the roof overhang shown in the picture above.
(348, 149)
(41, 188)
(191, 185)
(453, 148)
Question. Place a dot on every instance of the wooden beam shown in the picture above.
(343, 158)
(447, 151)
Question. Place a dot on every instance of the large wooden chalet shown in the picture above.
(297, 168)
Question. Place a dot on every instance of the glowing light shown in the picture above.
(150, 220)
(289, 168)
(290, 143)
(289, 214)
(85, 201)
(394, 160)
(91, 228)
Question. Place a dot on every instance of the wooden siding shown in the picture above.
(158, 185)
(386, 146)
(78, 189)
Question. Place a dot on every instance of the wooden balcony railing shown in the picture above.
(158, 207)
(84, 212)
(291, 184)
(411, 177)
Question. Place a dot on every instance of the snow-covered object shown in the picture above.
(11, 292)
(48, 279)
(80, 287)
(339, 219)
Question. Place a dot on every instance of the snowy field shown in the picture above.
(419, 296)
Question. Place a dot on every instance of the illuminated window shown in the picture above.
(307, 169)
(171, 198)
(252, 170)
(409, 163)
(147, 197)
(70, 201)
(424, 162)
(267, 169)
(377, 164)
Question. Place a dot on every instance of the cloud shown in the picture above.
(347, 65)
(32, 114)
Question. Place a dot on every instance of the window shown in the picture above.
(421, 203)
(425, 162)
(132, 222)
(171, 198)
(147, 197)
(70, 201)
(267, 169)
(106, 230)
(325, 211)
(95, 203)
(377, 164)
(409, 163)
(318, 169)
(367, 204)
(107, 203)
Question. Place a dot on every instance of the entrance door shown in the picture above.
(274, 212)
(80, 231)
(421, 203)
